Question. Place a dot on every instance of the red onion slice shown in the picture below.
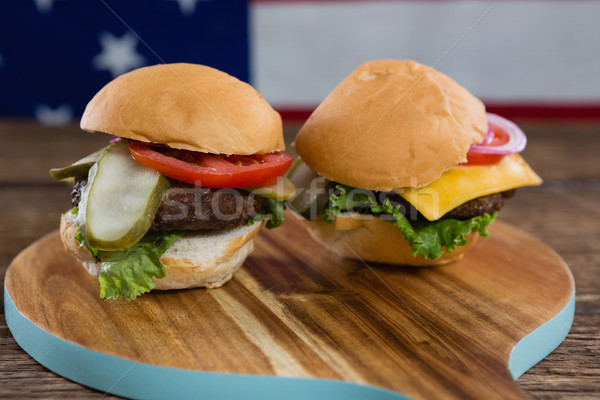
(516, 142)
(489, 136)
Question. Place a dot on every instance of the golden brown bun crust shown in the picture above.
(369, 238)
(391, 124)
(194, 260)
(186, 106)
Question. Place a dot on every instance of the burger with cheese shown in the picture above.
(191, 174)
(402, 165)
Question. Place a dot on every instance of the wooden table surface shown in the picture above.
(564, 213)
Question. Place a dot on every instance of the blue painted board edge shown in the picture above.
(534, 347)
(131, 379)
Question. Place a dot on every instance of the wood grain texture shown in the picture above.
(563, 213)
(298, 310)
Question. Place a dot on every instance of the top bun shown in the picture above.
(391, 124)
(186, 106)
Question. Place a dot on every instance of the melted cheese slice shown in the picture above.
(463, 183)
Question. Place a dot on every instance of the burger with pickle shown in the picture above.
(194, 169)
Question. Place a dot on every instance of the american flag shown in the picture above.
(525, 58)
(56, 54)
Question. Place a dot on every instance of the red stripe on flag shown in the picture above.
(358, 1)
(569, 111)
(536, 111)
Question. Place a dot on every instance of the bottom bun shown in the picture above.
(194, 260)
(368, 238)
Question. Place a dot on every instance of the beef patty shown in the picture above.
(481, 205)
(187, 207)
(473, 208)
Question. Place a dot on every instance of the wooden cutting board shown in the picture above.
(296, 310)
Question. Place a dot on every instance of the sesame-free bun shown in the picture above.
(186, 106)
(197, 259)
(391, 124)
(368, 238)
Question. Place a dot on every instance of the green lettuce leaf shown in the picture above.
(428, 239)
(129, 272)
(272, 211)
(84, 243)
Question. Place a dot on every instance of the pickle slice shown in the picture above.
(77, 169)
(282, 190)
(120, 200)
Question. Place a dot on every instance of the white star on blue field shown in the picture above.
(62, 115)
(44, 6)
(56, 54)
(119, 54)
(187, 7)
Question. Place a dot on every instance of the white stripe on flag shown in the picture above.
(522, 51)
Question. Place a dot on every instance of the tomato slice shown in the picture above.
(498, 138)
(212, 170)
(482, 159)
